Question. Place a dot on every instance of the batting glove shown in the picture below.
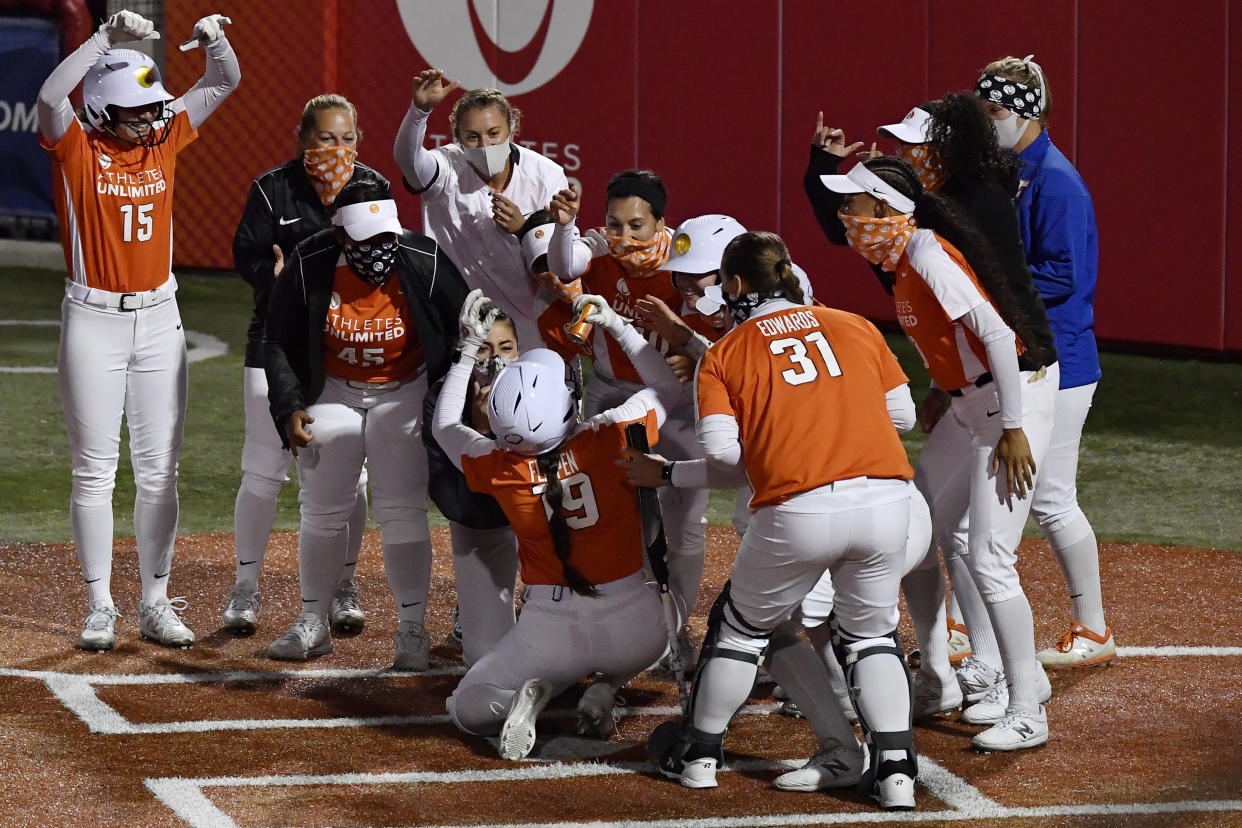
(599, 313)
(477, 315)
(597, 243)
(127, 26)
(210, 29)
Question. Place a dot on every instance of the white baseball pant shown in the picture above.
(485, 564)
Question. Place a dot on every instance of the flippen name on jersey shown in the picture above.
(131, 185)
(569, 465)
(787, 323)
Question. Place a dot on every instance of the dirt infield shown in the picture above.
(218, 736)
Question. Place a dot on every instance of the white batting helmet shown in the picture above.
(125, 78)
(530, 408)
(699, 243)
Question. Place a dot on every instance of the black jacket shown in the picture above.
(282, 208)
(990, 209)
(298, 308)
(447, 485)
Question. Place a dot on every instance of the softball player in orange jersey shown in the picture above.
(807, 392)
(122, 349)
(589, 606)
(982, 457)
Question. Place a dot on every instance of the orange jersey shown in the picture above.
(598, 503)
(807, 388)
(929, 304)
(366, 335)
(608, 279)
(115, 203)
(557, 318)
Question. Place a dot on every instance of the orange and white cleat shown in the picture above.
(959, 642)
(1079, 647)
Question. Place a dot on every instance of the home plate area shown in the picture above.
(217, 735)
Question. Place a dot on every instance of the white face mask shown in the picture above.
(1009, 131)
(488, 161)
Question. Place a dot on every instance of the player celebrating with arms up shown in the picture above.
(122, 350)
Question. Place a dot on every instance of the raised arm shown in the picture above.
(569, 255)
(417, 164)
(221, 76)
(455, 437)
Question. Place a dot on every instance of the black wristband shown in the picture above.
(666, 473)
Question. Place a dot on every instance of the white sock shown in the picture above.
(955, 609)
(684, 574)
(723, 686)
(1015, 631)
(155, 524)
(1079, 556)
(974, 612)
(883, 693)
(408, 566)
(253, 515)
(924, 591)
(92, 539)
(320, 558)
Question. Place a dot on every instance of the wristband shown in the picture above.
(666, 473)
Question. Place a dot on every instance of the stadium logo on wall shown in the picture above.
(467, 41)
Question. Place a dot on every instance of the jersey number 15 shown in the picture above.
(805, 370)
(145, 222)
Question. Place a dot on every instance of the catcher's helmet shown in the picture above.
(530, 407)
(126, 78)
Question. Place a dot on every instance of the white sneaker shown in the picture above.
(345, 613)
(992, 707)
(413, 648)
(1017, 730)
(160, 622)
(959, 642)
(517, 737)
(976, 678)
(596, 717)
(307, 637)
(241, 612)
(932, 699)
(834, 765)
(1079, 647)
(99, 631)
(895, 792)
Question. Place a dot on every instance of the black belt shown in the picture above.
(980, 381)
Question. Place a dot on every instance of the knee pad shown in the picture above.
(850, 649)
(409, 526)
(155, 478)
(324, 524)
(478, 709)
(731, 636)
(261, 487)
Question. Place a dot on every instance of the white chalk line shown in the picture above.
(199, 346)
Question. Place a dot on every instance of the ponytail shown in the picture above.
(549, 465)
(762, 259)
(790, 286)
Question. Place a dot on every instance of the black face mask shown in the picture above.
(741, 307)
(372, 262)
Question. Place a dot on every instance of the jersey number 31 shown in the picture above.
(805, 369)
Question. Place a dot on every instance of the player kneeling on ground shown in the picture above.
(589, 607)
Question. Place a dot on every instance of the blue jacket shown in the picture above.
(1057, 222)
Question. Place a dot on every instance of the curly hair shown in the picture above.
(963, 142)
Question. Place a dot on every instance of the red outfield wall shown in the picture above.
(721, 103)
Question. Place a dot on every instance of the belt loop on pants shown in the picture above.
(554, 591)
(124, 302)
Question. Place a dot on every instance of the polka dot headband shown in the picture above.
(1019, 98)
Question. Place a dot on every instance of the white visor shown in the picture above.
(368, 218)
(913, 128)
(536, 242)
(862, 180)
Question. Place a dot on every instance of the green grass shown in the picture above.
(1159, 462)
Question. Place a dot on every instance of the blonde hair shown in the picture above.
(318, 104)
(482, 99)
(1025, 71)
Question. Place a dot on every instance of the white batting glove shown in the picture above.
(128, 26)
(210, 28)
(600, 313)
(477, 315)
(597, 243)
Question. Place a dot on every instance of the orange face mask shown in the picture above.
(329, 169)
(640, 258)
(881, 241)
(920, 157)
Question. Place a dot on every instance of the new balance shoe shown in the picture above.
(99, 631)
(1079, 647)
(161, 623)
(895, 792)
(413, 647)
(834, 765)
(959, 642)
(977, 678)
(596, 717)
(345, 614)
(933, 699)
(517, 736)
(241, 611)
(1017, 730)
(307, 637)
(992, 708)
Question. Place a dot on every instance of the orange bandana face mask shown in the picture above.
(920, 157)
(881, 241)
(640, 258)
(329, 169)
